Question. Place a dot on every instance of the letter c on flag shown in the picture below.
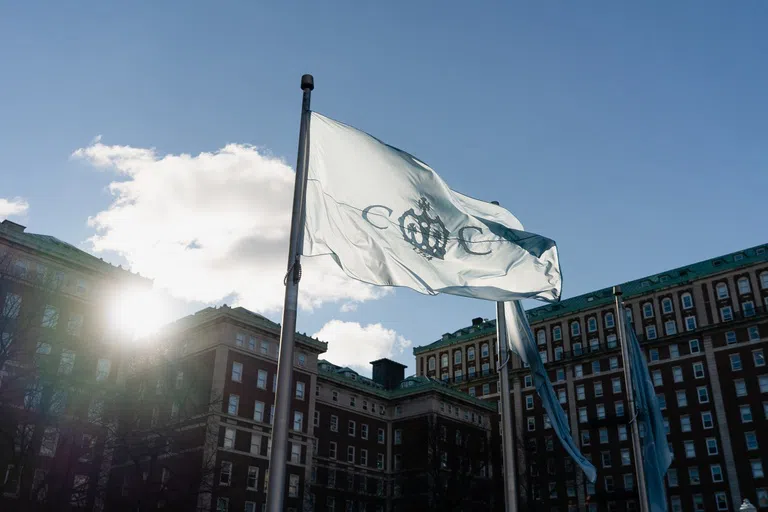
(464, 241)
(369, 208)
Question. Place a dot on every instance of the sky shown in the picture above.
(632, 133)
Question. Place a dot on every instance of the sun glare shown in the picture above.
(137, 314)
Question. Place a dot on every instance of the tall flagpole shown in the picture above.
(283, 395)
(639, 469)
(507, 437)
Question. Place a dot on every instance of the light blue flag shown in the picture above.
(521, 341)
(656, 456)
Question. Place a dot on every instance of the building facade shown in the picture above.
(704, 330)
(58, 363)
(195, 425)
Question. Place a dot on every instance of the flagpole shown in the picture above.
(283, 395)
(507, 437)
(639, 469)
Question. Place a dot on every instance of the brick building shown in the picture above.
(58, 362)
(194, 427)
(704, 329)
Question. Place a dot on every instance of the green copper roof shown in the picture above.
(642, 286)
(409, 386)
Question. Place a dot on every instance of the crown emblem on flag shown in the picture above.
(426, 234)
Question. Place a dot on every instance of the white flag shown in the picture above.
(388, 219)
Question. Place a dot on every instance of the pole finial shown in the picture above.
(617, 291)
(307, 82)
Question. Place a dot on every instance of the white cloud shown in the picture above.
(351, 344)
(15, 206)
(348, 307)
(210, 226)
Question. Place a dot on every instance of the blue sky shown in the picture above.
(633, 134)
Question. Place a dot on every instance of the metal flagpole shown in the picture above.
(639, 469)
(507, 437)
(283, 395)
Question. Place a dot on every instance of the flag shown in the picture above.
(521, 341)
(655, 451)
(388, 219)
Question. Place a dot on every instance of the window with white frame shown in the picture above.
(743, 285)
(616, 385)
(613, 363)
(258, 411)
(690, 449)
(432, 363)
(576, 348)
(647, 310)
(746, 413)
(541, 337)
(299, 390)
(694, 346)
(685, 423)
(748, 308)
(682, 398)
(711, 446)
(332, 450)
(225, 475)
(763, 382)
(690, 323)
(471, 354)
(261, 381)
(726, 314)
(650, 332)
(653, 354)
(622, 432)
(672, 480)
(757, 468)
(741, 387)
(693, 475)
(600, 408)
(484, 352)
(592, 324)
(229, 438)
(703, 394)
(351, 454)
(529, 402)
(735, 362)
(666, 306)
(557, 333)
(754, 333)
(298, 421)
(750, 440)
(457, 357)
(237, 372)
(609, 320)
(687, 300)
(594, 345)
(717, 472)
(575, 328)
(580, 392)
(698, 370)
(531, 424)
(561, 396)
(657, 378)
(578, 370)
(610, 341)
(233, 405)
(598, 389)
(722, 291)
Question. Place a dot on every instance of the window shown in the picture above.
(558, 353)
(677, 374)
(672, 477)
(67, 362)
(653, 354)
(561, 396)
(758, 357)
(748, 308)
(575, 328)
(608, 484)
(255, 444)
(711, 446)
(332, 450)
(720, 500)
(598, 389)
(592, 324)
(726, 313)
(559, 375)
(261, 381)
(666, 306)
(735, 362)
(616, 385)
(271, 414)
(381, 436)
(693, 475)
(557, 333)
(529, 402)
(580, 393)
(293, 486)
(687, 301)
(743, 285)
(682, 398)
(576, 348)
(657, 379)
(351, 454)
(690, 323)
(698, 370)
(685, 423)
(298, 421)
(706, 420)
(531, 424)
(741, 387)
(253, 478)
(258, 411)
(619, 407)
(398, 436)
(484, 350)
(674, 352)
(622, 432)
(457, 357)
(722, 291)
(746, 413)
(650, 332)
(647, 310)
(717, 472)
(694, 346)
(609, 320)
(578, 370)
(764, 280)
(629, 482)
(611, 341)
(237, 372)
(751, 440)
(596, 367)
(690, 450)
(662, 400)
(757, 468)
(763, 379)
(75, 324)
(229, 438)
(762, 494)
(603, 435)
(380, 461)
(486, 389)
(12, 305)
(585, 441)
(50, 317)
(470, 355)
(234, 404)
(364, 457)
(605, 458)
(543, 356)
(730, 337)
(225, 476)
(600, 411)
(594, 345)
(703, 394)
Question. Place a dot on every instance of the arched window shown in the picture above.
(575, 328)
(744, 285)
(471, 354)
(647, 310)
(764, 280)
(609, 320)
(541, 336)
(484, 350)
(722, 291)
(592, 324)
(457, 357)
(432, 363)
(687, 300)
(666, 305)
(557, 333)
(444, 361)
